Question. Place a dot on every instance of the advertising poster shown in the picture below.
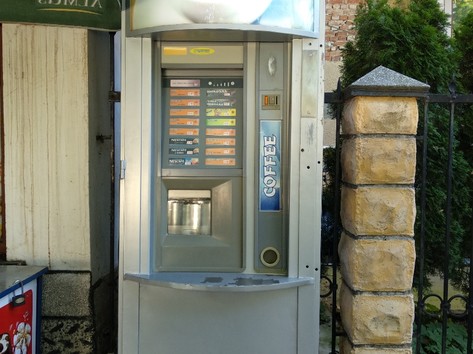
(17, 325)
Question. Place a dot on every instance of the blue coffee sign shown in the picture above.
(270, 166)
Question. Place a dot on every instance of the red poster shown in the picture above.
(16, 327)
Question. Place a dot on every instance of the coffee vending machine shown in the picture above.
(221, 176)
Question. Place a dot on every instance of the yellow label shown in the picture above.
(175, 51)
(202, 51)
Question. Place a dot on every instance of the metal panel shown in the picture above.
(310, 190)
(147, 159)
(271, 235)
(249, 153)
(215, 323)
(131, 153)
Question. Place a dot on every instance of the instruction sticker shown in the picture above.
(220, 132)
(184, 92)
(184, 121)
(184, 102)
(220, 112)
(184, 141)
(185, 83)
(221, 102)
(221, 141)
(184, 112)
(183, 131)
(187, 161)
(219, 151)
(221, 92)
(184, 151)
(220, 162)
(221, 122)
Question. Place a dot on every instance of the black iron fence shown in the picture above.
(444, 226)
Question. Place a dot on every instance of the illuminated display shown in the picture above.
(285, 14)
(202, 123)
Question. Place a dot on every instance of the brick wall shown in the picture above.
(339, 26)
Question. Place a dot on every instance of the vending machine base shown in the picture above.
(20, 308)
(213, 313)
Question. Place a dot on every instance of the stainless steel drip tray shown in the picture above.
(231, 282)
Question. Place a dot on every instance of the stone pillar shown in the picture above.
(377, 250)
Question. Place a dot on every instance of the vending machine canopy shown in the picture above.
(258, 19)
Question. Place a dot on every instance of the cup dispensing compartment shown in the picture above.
(201, 225)
(189, 212)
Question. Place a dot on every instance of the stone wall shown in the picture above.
(339, 26)
(377, 250)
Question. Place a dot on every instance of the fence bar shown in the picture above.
(336, 213)
(420, 296)
(446, 273)
(469, 341)
(457, 98)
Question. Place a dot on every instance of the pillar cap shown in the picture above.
(386, 82)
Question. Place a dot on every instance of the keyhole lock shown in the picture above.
(18, 300)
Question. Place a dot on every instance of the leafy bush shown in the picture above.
(464, 44)
(432, 338)
(411, 41)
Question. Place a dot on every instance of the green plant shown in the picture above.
(463, 34)
(412, 40)
(432, 338)
(461, 9)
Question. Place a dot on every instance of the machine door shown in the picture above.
(201, 171)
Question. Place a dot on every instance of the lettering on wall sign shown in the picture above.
(270, 166)
(72, 4)
(95, 14)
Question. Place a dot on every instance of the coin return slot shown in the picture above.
(270, 257)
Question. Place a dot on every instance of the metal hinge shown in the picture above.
(114, 96)
(122, 169)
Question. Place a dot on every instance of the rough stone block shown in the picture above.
(380, 115)
(347, 348)
(378, 210)
(377, 264)
(66, 294)
(380, 160)
(377, 318)
(67, 336)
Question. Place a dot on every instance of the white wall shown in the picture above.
(47, 145)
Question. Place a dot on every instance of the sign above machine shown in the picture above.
(294, 17)
(95, 14)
